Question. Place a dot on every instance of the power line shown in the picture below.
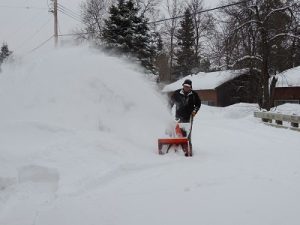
(69, 10)
(41, 44)
(177, 17)
(66, 14)
(69, 15)
(22, 7)
(199, 12)
(202, 11)
(22, 25)
(65, 35)
(35, 33)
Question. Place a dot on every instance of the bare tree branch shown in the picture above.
(274, 11)
(284, 35)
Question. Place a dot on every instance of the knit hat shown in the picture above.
(187, 82)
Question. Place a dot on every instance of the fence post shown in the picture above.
(293, 119)
(268, 117)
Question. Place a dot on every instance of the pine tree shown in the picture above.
(141, 41)
(128, 32)
(185, 54)
(5, 52)
(117, 32)
(156, 49)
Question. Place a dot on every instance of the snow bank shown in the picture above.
(67, 115)
(288, 109)
(77, 88)
(289, 78)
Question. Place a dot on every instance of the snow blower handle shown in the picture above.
(191, 127)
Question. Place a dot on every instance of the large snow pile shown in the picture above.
(68, 114)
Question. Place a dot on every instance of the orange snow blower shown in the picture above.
(178, 138)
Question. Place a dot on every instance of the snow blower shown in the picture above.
(180, 137)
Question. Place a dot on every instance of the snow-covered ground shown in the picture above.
(78, 139)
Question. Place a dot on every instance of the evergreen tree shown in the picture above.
(141, 41)
(4, 53)
(155, 49)
(127, 31)
(117, 31)
(204, 65)
(185, 54)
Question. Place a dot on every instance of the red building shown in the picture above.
(221, 88)
(287, 87)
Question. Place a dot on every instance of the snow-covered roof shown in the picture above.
(205, 81)
(289, 78)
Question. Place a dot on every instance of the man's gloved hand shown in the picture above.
(194, 113)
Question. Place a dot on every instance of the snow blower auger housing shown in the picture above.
(180, 138)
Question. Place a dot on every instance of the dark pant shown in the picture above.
(183, 120)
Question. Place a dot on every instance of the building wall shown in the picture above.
(208, 97)
(225, 94)
(286, 94)
(234, 91)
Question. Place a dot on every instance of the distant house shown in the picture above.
(287, 88)
(221, 88)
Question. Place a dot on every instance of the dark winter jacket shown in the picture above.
(185, 104)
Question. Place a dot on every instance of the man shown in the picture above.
(187, 102)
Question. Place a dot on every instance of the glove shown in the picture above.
(194, 113)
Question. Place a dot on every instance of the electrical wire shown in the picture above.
(66, 14)
(69, 15)
(65, 35)
(76, 17)
(66, 11)
(22, 25)
(69, 10)
(22, 7)
(177, 17)
(202, 11)
(35, 33)
(41, 44)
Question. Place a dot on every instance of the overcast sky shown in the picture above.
(26, 28)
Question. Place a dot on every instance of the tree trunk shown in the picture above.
(265, 75)
(171, 57)
(272, 90)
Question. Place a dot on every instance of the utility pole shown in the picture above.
(55, 22)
